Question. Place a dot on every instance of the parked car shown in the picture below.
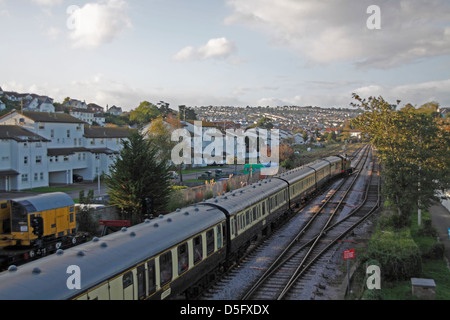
(173, 175)
(77, 178)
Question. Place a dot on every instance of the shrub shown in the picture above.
(397, 253)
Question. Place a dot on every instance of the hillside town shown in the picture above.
(44, 142)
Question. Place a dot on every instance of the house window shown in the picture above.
(68, 133)
(92, 141)
(35, 176)
(38, 159)
(52, 133)
(66, 158)
(41, 126)
(41, 176)
(25, 160)
(24, 178)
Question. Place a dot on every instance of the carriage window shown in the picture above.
(165, 266)
(151, 276)
(224, 232)
(198, 249)
(182, 258)
(209, 241)
(219, 237)
(254, 213)
(263, 208)
(127, 279)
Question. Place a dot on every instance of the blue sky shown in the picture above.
(229, 52)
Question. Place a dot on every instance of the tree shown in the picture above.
(139, 183)
(413, 147)
(145, 113)
(264, 122)
(159, 136)
(186, 113)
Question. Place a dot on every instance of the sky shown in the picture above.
(227, 52)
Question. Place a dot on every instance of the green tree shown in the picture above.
(186, 113)
(159, 136)
(414, 149)
(145, 113)
(139, 183)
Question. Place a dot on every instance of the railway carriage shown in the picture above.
(167, 256)
(251, 211)
(156, 259)
(301, 183)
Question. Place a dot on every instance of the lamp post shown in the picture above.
(98, 173)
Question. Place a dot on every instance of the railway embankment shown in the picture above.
(402, 254)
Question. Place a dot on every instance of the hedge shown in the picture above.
(397, 253)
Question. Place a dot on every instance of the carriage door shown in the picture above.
(128, 287)
(141, 282)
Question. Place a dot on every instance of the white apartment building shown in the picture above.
(23, 159)
(64, 146)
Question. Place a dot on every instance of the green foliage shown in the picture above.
(85, 220)
(397, 253)
(145, 113)
(414, 148)
(137, 175)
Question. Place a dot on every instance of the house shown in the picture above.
(103, 144)
(116, 111)
(355, 133)
(95, 108)
(84, 115)
(39, 149)
(2, 105)
(99, 119)
(74, 103)
(39, 104)
(65, 135)
(23, 159)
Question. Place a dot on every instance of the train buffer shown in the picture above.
(112, 225)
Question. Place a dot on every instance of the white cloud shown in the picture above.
(98, 23)
(218, 48)
(48, 3)
(416, 93)
(333, 31)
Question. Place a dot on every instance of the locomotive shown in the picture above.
(32, 226)
(173, 254)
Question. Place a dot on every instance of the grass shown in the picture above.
(432, 268)
(202, 169)
(54, 189)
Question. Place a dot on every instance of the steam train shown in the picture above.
(175, 253)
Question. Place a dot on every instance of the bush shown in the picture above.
(397, 253)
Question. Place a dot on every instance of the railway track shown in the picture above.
(268, 257)
(303, 250)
